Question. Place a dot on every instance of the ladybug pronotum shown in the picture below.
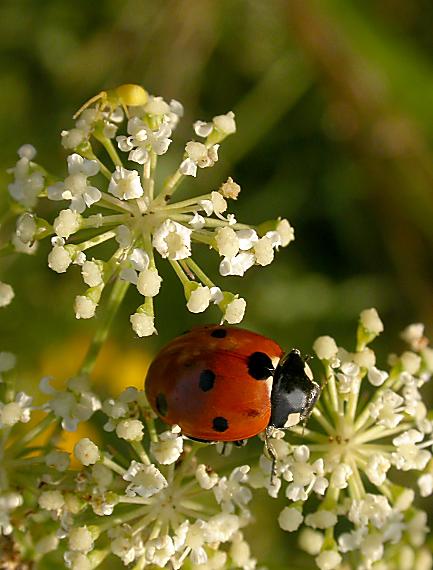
(228, 384)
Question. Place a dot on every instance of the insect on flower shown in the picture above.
(229, 384)
(124, 95)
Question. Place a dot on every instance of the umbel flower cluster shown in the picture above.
(137, 493)
(144, 494)
(111, 193)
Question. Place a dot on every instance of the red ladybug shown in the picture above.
(228, 384)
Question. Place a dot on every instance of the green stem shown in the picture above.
(117, 294)
(112, 152)
(45, 423)
(211, 222)
(169, 188)
(184, 203)
(199, 272)
(100, 238)
(179, 272)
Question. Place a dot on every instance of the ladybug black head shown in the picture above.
(294, 392)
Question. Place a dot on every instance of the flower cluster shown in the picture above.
(369, 424)
(112, 195)
(146, 496)
(152, 503)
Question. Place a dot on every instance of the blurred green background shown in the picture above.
(334, 105)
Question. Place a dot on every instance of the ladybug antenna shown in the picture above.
(270, 450)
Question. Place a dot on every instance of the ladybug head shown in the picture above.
(294, 392)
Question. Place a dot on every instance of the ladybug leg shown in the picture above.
(241, 442)
(224, 448)
(270, 450)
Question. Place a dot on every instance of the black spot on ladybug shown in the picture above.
(161, 404)
(219, 333)
(260, 366)
(220, 424)
(207, 380)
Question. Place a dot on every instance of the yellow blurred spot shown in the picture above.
(117, 366)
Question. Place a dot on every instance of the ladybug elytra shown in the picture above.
(228, 384)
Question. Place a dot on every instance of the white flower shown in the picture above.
(80, 539)
(325, 347)
(408, 455)
(51, 500)
(264, 251)
(145, 480)
(76, 187)
(84, 307)
(130, 429)
(200, 298)
(169, 446)
(321, 519)
(290, 519)
(142, 324)
(237, 265)
(285, 232)
(311, 541)
(303, 476)
(206, 478)
(328, 560)
(385, 409)
(77, 561)
(414, 335)
(160, 550)
(370, 320)
(198, 155)
(124, 544)
(67, 223)
(227, 242)
(59, 259)
(230, 189)
(136, 262)
(9, 501)
(222, 527)
(374, 509)
(234, 311)
(125, 184)
(172, 240)
(28, 179)
(6, 294)
(340, 476)
(73, 405)
(86, 451)
(17, 411)
(225, 123)
(157, 106)
(142, 139)
(377, 377)
(149, 282)
(26, 228)
(202, 129)
(425, 484)
(410, 362)
(377, 468)
(229, 492)
(92, 273)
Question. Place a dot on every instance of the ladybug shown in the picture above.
(229, 384)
